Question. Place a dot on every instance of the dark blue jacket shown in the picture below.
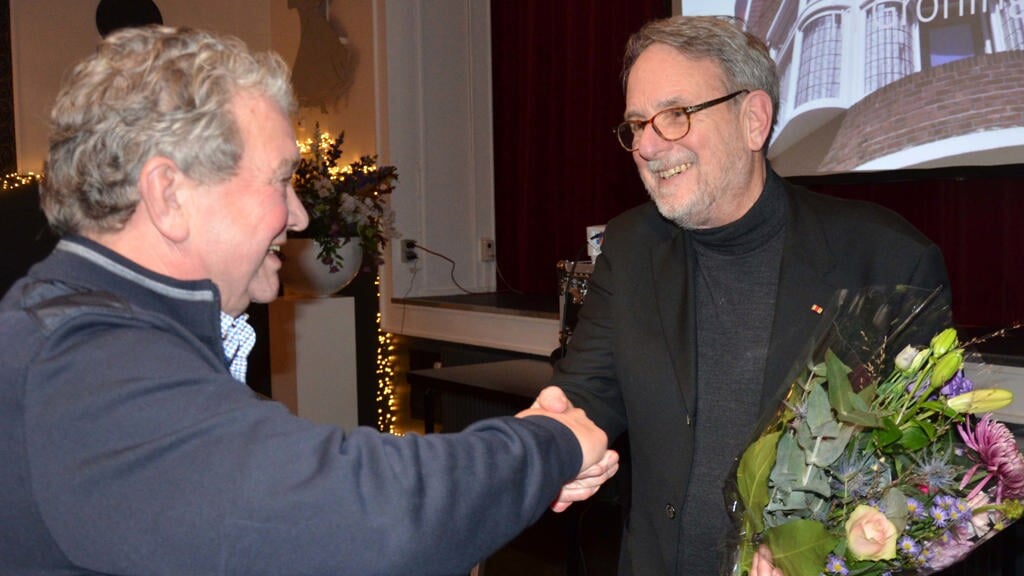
(127, 448)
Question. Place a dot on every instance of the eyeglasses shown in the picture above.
(670, 124)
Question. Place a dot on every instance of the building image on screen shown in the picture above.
(872, 85)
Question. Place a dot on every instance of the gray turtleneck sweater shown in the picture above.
(736, 279)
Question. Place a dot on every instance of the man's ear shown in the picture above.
(162, 194)
(757, 117)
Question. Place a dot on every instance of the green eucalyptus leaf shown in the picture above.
(849, 407)
(800, 547)
(895, 505)
(789, 463)
(827, 450)
(869, 393)
(819, 411)
(815, 481)
(862, 418)
(787, 502)
(818, 507)
(807, 439)
(819, 369)
(817, 380)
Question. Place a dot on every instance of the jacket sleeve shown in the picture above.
(147, 458)
(588, 372)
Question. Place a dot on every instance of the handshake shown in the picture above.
(599, 463)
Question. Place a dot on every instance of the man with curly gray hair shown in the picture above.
(128, 444)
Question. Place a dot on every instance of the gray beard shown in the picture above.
(691, 216)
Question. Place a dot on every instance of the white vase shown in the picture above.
(303, 274)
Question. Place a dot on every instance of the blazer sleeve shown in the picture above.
(587, 373)
(608, 327)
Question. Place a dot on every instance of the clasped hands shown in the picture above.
(599, 463)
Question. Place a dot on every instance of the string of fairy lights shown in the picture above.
(387, 362)
(387, 357)
(11, 181)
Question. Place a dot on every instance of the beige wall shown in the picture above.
(356, 112)
(49, 36)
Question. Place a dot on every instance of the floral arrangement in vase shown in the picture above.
(345, 203)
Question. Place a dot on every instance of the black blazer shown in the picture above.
(630, 362)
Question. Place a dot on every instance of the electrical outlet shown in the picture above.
(487, 250)
(409, 251)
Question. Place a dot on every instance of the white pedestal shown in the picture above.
(313, 358)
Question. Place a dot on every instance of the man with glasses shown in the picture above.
(702, 300)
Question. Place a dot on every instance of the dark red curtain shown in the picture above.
(975, 218)
(558, 169)
(557, 96)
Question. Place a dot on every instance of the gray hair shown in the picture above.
(743, 58)
(145, 92)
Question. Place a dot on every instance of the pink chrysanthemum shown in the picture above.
(997, 451)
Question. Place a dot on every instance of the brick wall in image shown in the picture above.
(971, 95)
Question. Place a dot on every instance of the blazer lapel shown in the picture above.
(804, 292)
(674, 300)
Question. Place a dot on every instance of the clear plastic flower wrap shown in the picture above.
(880, 457)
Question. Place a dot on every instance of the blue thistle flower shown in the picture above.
(850, 477)
(935, 470)
(858, 472)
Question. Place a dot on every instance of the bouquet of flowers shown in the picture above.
(345, 202)
(881, 458)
